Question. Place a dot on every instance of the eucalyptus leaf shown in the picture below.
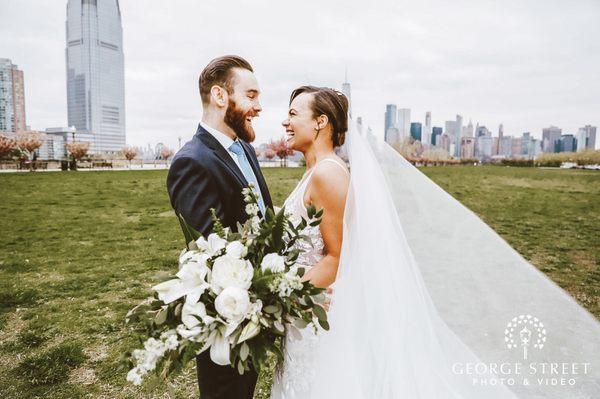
(320, 312)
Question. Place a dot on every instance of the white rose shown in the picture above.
(228, 271)
(236, 249)
(233, 303)
(273, 262)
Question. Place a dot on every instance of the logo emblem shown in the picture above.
(524, 330)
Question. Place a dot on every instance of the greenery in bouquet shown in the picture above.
(236, 294)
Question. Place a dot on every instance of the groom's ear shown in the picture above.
(219, 96)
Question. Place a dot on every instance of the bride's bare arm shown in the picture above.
(327, 190)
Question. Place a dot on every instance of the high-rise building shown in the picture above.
(467, 131)
(403, 123)
(391, 121)
(586, 138)
(566, 143)
(416, 130)
(95, 73)
(436, 133)
(427, 129)
(12, 97)
(458, 129)
(467, 147)
(550, 137)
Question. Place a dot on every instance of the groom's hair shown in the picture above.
(219, 72)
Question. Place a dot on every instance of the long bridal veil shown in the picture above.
(431, 303)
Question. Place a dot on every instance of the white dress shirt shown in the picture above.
(224, 140)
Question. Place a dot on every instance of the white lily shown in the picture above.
(190, 281)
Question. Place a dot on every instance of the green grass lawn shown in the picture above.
(79, 249)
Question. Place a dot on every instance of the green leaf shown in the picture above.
(244, 351)
(300, 323)
(271, 309)
(251, 330)
(240, 367)
(324, 324)
(320, 312)
(161, 317)
(189, 233)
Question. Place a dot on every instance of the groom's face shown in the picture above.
(243, 105)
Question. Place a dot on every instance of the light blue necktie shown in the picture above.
(237, 149)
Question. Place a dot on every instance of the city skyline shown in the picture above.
(468, 69)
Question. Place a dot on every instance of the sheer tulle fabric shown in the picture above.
(425, 289)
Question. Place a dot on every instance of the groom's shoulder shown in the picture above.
(194, 151)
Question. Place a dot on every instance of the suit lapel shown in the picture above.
(222, 154)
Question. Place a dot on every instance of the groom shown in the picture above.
(210, 171)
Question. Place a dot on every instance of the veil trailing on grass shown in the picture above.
(431, 303)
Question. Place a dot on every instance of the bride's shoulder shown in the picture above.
(330, 176)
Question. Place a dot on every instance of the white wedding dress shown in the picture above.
(427, 299)
(294, 380)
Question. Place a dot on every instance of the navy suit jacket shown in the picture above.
(203, 176)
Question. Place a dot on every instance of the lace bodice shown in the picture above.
(294, 205)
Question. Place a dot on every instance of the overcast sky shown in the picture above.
(525, 63)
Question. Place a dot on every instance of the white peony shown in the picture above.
(215, 243)
(236, 249)
(273, 262)
(233, 303)
(228, 271)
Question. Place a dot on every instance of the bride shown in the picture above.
(429, 301)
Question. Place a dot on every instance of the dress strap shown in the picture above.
(334, 161)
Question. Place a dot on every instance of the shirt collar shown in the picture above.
(221, 137)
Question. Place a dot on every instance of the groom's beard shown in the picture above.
(235, 118)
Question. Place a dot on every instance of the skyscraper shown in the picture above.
(427, 131)
(459, 128)
(436, 133)
(586, 138)
(95, 73)
(391, 121)
(12, 97)
(550, 137)
(416, 130)
(404, 123)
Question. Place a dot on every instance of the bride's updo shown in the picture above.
(330, 102)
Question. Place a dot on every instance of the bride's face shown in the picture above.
(300, 124)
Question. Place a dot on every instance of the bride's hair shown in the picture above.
(328, 102)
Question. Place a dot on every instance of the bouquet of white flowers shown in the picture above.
(237, 294)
